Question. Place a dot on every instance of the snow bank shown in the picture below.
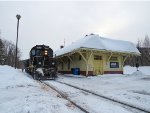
(143, 70)
(10, 77)
(21, 94)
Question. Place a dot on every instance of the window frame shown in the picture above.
(114, 66)
(97, 57)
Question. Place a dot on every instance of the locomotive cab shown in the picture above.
(41, 56)
(42, 64)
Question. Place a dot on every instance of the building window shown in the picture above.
(114, 64)
(68, 64)
(114, 58)
(97, 57)
(62, 65)
(33, 52)
(80, 57)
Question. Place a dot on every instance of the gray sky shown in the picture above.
(51, 22)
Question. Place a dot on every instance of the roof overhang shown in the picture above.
(82, 49)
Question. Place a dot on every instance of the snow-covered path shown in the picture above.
(21, 94)
(92, 103)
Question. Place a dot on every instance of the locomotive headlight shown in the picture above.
(46, 53)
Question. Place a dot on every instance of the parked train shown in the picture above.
(41, 64)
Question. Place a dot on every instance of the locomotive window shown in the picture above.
(33, 52)
(38, 52)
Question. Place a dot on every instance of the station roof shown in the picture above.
(96, 42)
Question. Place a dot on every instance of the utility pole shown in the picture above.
(18, 18)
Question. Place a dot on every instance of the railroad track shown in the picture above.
(65, 97)
(107, 98)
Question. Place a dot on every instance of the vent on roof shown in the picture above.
(92, 34)
(61, 46)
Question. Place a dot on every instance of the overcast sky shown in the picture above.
(51, 22)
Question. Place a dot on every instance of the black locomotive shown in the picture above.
(41, 64)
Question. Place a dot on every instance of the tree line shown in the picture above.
(8, 52)
(144, 48)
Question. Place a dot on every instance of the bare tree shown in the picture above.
(139, 44)
(2, 56)
(146, 42)
(1, 51)
(144, 49)
(9, 51)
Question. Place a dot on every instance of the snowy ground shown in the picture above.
(21, 94)
(90, 102)
(132, 88)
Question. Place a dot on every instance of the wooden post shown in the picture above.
(124, 60)
(109, 57)
(86, 61)
(71, 60)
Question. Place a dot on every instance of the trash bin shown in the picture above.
(76, 71)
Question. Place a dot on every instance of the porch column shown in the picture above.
(124, 59)
(86, 60)
(71, 60)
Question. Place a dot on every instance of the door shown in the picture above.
(98, 65)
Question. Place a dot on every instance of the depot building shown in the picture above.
(95, 55)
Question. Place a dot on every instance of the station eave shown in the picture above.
(97, 50)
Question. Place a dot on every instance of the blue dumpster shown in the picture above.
(76, 71)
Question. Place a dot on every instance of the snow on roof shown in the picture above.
(94, 41)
